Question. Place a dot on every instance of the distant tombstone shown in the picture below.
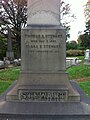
(9, 52)
(87, 54)
(87, 57)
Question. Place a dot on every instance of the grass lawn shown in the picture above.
(81, 57)
(7, 77)
(80, 73)
(86, 87)
(4, 85)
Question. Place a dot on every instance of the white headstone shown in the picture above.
(87, 54)
(43, 12)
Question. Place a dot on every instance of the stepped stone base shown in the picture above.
(56, 89)
(16, 110)
(43, 93)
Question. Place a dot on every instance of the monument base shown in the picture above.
(10, 55)
(45, 110)
(87, 62)
(47, 88)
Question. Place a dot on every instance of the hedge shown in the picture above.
(75, 53)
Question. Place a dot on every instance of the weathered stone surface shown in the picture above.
(43, 49)
(43, 91)
(87, 57)
(43, 12)
(9, 52)
(44, 64)
(46, 110)
(28, 117)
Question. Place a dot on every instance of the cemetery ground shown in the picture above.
(80, 73)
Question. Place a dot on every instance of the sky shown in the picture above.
(77, 7)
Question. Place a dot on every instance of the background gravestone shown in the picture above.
(9, 52)
(87, 57)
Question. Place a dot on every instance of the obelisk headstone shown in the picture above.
(9, 52)
(43, 51)
(43, 91)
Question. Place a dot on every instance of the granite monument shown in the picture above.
(43, 51)
(9, 52)
(43, 91)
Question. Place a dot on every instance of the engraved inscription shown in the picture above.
(47, 96)
(43, 43)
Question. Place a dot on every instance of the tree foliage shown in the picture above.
(84, 39)
(87, 31)
(72, 45)
(13, 14)
(87, 11)
(3, 44)
(66, 17)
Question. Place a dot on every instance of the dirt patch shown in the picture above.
(83, 79)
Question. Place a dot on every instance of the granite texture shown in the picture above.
(43, 110)
(43, 91)
(43, 49)
(43, 54)
(43, 12)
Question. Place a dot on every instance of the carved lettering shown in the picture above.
(43, 95)
(43, 36)
(43, 42)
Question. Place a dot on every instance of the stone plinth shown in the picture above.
(43, 90)
(43, 69)
(21, 110)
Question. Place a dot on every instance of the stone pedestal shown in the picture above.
(36, 110)
(43, 91)
(43, 76)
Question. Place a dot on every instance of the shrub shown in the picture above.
(71, 45)
(74, 52)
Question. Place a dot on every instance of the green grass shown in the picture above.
(9, 74)
(7, 77)
(4, 85)
(80, 71)
(81, 57)
(81, 74)
(86, 87)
